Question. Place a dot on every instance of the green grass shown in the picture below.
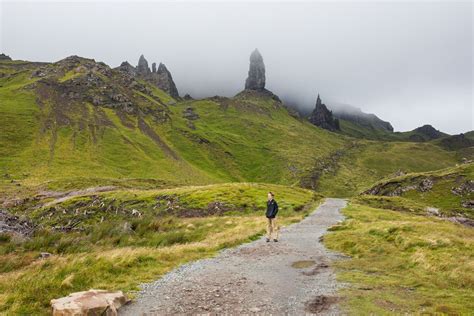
(440, 196)
(112, 249)
(403, 263)
(371, 161)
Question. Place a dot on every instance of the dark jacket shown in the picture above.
(272, 209)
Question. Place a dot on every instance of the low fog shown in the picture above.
(410, 63)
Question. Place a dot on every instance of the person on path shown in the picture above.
(272, 210)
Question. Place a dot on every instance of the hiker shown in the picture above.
(272, 210)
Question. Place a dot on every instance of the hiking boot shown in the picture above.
(268, 239)
(275, 240)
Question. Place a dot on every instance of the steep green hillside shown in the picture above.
(78, 123)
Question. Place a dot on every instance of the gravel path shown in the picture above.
(291, 277)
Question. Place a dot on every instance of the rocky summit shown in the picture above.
(323, 118)
(160, 77)
(256, 78)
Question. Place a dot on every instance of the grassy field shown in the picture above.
(114, 248)
(403, 263)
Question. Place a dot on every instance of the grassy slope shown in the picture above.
(247, 138)
(126, 250)
(46, 144)
(371, 161)
(440, 196)
(403, 263)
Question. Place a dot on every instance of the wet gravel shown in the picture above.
(291, 277)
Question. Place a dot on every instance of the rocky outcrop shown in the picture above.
(142, 67)
(256, 76)
(160, 77)
(126, 68)
(425, 133)
(165, 82)
(4, 57)
(92, 302)
(323, 118)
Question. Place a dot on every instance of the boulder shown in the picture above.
(256, 77)
(92, 302)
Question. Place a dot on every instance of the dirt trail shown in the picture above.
(291, 277)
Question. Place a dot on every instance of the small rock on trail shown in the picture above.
(255, 278)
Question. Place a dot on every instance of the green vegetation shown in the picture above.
(449, 190)
(112, 248)
(403, 263)
(169, 181)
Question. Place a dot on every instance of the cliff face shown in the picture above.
(323, 118)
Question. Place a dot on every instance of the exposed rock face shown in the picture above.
(142, 68)
(256, 78)
(4, 57)
(426, 132)
(323, 118)
(165, 81)
(125, 67)
(92, 302)
(160, 77)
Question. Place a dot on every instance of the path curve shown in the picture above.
(254, 278)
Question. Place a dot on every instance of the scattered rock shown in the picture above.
(14, 224)
(465, 188)
(433, 211)
(256, 76)
(188, 97)
(189, 114)
(44, 255)
(425, 185)
(92, 302)
(468, 204)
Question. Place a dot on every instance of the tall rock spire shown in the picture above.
(142, 68)
(256, 78)
(165, 81)
(322, 117)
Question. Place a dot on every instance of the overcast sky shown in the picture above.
(408, 62)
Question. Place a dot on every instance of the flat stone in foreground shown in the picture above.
(92, 302)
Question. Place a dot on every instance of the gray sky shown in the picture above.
(408, 62)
